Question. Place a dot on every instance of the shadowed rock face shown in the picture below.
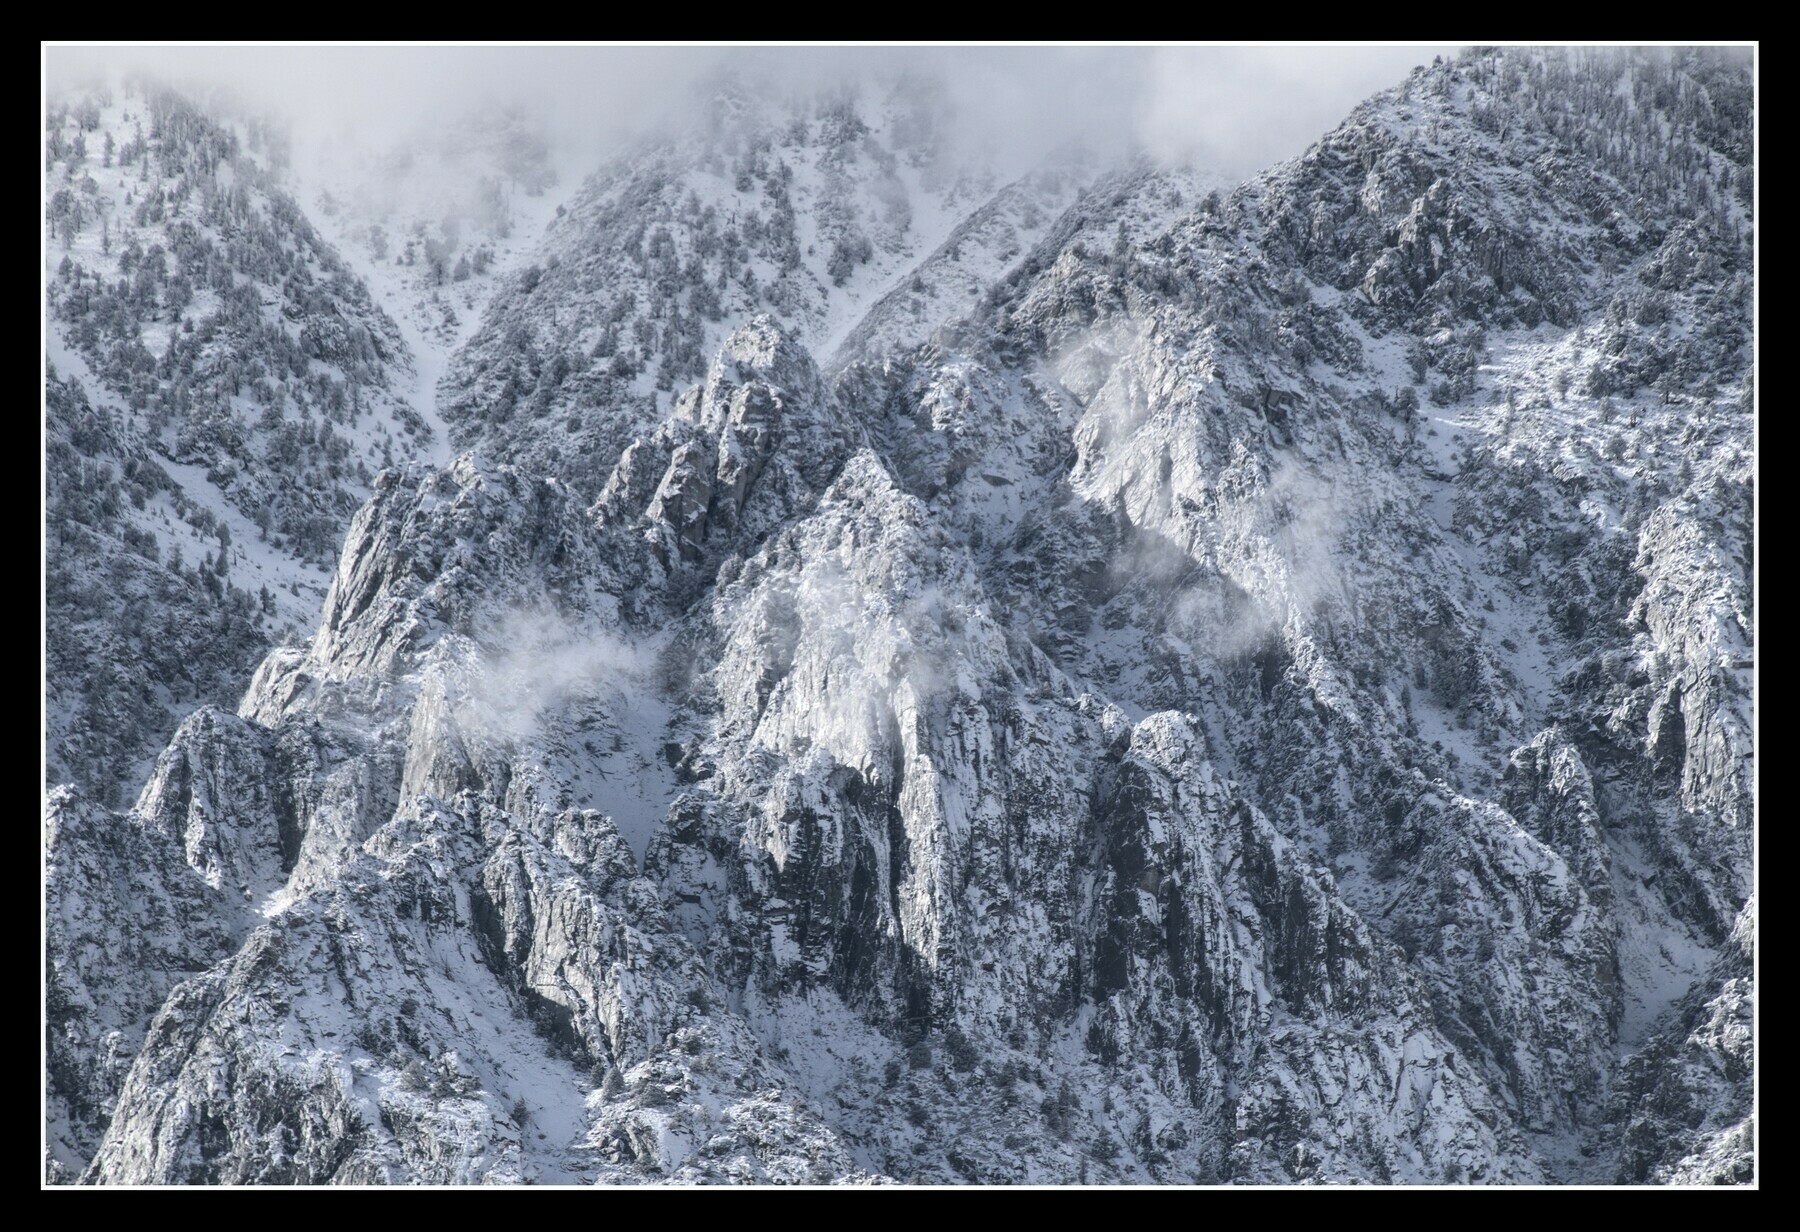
(1120, 738)
(1686, 1103)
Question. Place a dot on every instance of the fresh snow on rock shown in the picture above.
(865, 673)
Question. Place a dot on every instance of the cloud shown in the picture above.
(589, 97)
(1281, 546)
(1232, 109)
(1238, 109)
(540, 662)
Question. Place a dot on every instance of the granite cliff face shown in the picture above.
(1262, 695)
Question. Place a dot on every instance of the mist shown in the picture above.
(1227, 109)
(1239, 109)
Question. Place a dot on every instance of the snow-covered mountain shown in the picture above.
(812, 211)
(221, 390)
(1105, 677)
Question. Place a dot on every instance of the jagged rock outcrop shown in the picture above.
(740, 454)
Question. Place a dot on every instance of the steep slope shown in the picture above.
(426, 895)
(1265, 697)
(220, 386)
(811, 210)
(433, 223)
(1689, 1095)
(409, 707)
(1266, 530)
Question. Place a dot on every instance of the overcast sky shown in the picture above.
(1233, 109)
